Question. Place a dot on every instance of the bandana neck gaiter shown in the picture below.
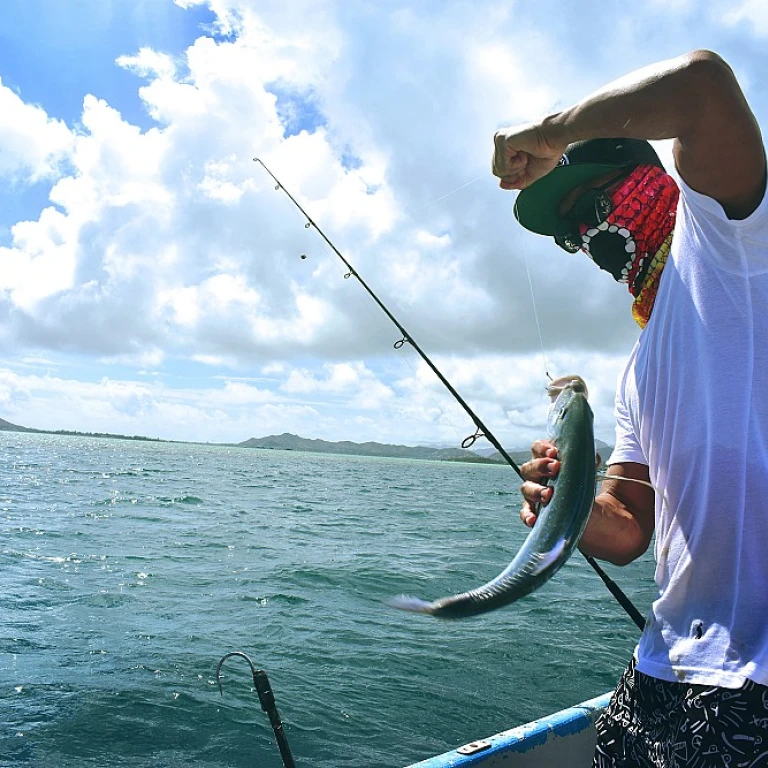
(633, 242)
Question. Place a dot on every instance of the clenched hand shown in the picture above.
(522, 155)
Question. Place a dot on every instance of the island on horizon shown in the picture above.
(291, 442)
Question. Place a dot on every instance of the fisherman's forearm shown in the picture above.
(661, 101)
(613, 533)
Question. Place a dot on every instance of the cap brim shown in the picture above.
(536, 207)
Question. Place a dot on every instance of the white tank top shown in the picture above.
(692, 404)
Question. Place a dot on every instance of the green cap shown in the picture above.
(536, 206)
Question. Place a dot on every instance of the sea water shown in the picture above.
(128, 569)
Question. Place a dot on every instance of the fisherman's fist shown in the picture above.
(523, 155)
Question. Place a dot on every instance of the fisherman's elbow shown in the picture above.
(614, 550)
(708, 68)
(629, 551)
(624, 557)
(705, 56)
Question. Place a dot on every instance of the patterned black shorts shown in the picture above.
(653, 723)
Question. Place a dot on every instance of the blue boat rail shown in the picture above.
(564, 739)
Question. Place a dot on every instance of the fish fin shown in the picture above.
(546, 559)
(412, 604)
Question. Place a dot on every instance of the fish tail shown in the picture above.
(412, 604)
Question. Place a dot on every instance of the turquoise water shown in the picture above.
(129, 569)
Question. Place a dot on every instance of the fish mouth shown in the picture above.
(573, 382)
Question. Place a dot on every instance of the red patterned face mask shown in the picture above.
(641, 219)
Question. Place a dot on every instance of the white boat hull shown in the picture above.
(561, 740)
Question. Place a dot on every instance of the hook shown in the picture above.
(224, 658)
(267, 700)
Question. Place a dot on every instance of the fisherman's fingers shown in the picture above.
(541, 449)
(538, 469)
(528, 514)
(535, 494)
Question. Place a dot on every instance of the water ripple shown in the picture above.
(130, 568)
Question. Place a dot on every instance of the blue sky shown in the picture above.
(53, 53)
(150, 279)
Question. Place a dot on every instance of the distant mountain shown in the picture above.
(520, 457)
(486, 452)
(603, 449)
(6, 426)
(289, 442)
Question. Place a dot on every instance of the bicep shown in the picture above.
(629, 485)
(622, 521)
(719, 152)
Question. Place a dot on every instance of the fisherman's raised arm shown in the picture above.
(694, 99)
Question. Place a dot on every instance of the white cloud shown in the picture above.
(232, 412)
(33, 146)
(149, 64)
(754, 12)
(42, 261)
(169, 247)
(358, 385)
(428, 240)
(508, 393)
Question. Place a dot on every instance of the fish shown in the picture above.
(559, 525)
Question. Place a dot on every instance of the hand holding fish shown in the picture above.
(522, 155)
(542, 467)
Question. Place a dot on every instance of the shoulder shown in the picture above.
(720, 153)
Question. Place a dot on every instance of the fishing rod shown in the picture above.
(481, 429)
(267, 701)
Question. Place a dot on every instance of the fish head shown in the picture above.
(562, 392)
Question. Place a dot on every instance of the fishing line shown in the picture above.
(481, 429)
(612, 586)
(660, 491)
(535, 311)
(447, 194)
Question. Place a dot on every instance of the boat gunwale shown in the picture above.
(523, 738)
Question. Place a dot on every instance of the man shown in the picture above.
(691, 406)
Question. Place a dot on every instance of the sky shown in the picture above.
(151, 277)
